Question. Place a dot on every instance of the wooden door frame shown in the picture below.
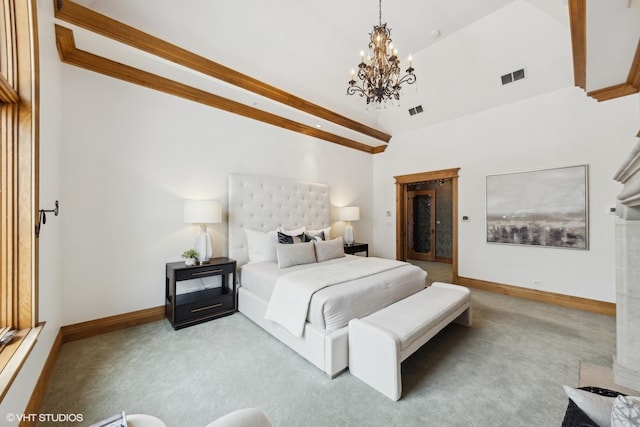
(432, 224)
(402, 184)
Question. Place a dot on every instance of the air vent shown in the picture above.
(415, 110)
(513, 76)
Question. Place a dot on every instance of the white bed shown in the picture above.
(264, 204)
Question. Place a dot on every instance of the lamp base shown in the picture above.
(203, 246)
(349, 234)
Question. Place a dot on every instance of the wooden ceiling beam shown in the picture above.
(634, 73)
(578, 23)
(69, 54)
(88, 19)
(631, 86)
(612, 92)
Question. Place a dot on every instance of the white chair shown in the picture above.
(247, 417)
(143, 420)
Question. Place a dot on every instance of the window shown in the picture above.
(18, 181)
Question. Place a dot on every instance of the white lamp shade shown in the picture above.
(349, 213)
(202, 211)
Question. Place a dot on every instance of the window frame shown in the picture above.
(19, 186)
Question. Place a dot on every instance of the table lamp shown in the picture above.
(349, 213)
(203, 212)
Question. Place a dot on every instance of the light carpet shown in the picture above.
(507, 370)
(437, 271)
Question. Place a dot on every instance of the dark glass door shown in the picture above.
(421, 209)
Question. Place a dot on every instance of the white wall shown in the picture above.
(50, 292)
(130, 157)
(562, 128)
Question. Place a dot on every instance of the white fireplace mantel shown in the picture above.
(629, 176)
(626, 366)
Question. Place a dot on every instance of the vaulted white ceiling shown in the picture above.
(307, 48)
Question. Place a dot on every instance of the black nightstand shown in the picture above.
(204, 303)
(355, 248)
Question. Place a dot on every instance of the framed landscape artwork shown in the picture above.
(546, 208)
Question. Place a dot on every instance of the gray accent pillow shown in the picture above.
(329, 249)
(295, 254)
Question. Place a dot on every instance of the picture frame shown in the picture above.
(543, 208)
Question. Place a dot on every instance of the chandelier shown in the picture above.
(380, 75)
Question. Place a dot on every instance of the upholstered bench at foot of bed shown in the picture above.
(380, 342)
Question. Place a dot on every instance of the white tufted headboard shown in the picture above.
(265, 203)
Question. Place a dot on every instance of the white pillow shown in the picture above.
(329, 249)
(296, 254)
(327, 232)
(262, 246)
(626, 411)
(294, 232)
(597, 407)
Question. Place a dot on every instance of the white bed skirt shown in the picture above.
(329, 351)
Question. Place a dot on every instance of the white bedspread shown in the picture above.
(292, 293)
